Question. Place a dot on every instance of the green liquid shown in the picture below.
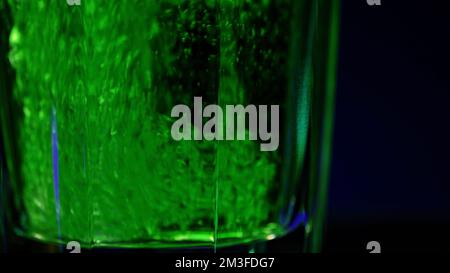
(105, 76)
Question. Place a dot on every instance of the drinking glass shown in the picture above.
(87, 92)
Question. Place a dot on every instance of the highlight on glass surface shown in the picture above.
(86, 94)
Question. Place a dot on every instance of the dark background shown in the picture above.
(391, 164)
(390, 176)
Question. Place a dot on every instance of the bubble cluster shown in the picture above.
(111, 71)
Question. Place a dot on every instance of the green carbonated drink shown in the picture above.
(87, 119)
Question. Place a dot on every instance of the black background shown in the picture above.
(391, 164)
(390, 177)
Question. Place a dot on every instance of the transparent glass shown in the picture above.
(86, 98)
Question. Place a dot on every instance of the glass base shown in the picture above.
(260, 243)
